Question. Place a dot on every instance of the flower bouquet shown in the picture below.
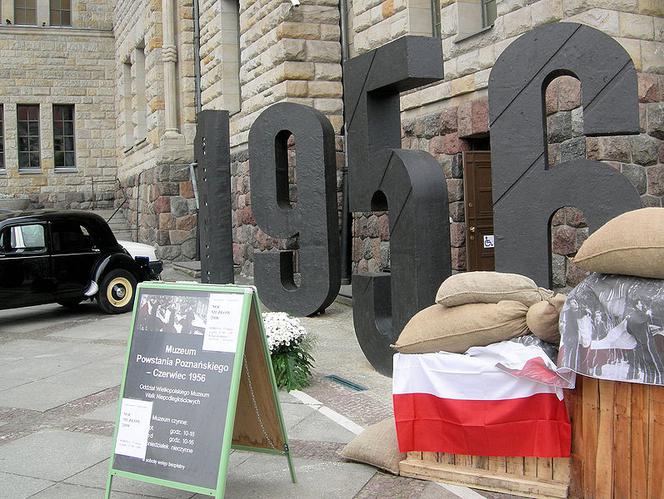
(289, 348)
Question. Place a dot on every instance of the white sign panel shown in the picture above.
(488, 241)
(223, 322)
(134, 428)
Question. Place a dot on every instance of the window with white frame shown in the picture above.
(64, 153)
(28, 136)
(25, 12)
(128, 108)
(60, 12)
(2, 137)
(475, 16)
(140, 103)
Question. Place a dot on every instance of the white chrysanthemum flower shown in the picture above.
(282, 330)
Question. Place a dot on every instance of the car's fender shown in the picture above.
(116, 261)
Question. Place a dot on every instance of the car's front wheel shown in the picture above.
(116, 292)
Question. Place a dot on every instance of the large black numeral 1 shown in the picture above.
(213, 175)
(408, 183)
(526, 193)
(313, 219)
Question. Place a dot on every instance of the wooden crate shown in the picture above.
(617, 451)
(617, 440)
(529, 476)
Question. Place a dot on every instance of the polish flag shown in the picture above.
(477, 405)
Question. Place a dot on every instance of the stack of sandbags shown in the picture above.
(477, 309)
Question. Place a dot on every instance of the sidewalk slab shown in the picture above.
(95, 477)
(53, 454)
(62, 490)
(106, 413)
(17, 486)
(43, 395)
(264, 476)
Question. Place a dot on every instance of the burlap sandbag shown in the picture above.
(542, 319)
(630, 244)
(376, 446)
(489, 287)
(456, 329)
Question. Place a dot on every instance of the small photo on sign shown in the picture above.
(172, 314)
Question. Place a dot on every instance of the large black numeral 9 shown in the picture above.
(313, 220)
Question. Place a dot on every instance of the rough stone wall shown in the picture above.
(47, 66)
(376, 22)
(92, 14)
(162, 200)
(154, 173)
(288, 54)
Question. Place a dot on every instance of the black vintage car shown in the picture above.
(66, 257)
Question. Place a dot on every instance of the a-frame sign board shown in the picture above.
(198, 380)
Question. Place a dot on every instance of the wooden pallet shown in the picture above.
(617, 440)
(617, 451)
(527, 476)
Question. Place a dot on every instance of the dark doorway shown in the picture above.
(479, 210)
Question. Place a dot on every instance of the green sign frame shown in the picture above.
(251, 305)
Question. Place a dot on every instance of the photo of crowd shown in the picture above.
(172, 314)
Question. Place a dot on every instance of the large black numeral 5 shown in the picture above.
(313, 220)
(408, 183)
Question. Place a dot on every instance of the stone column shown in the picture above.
(43, 13)
(7, 9)
(169, 56)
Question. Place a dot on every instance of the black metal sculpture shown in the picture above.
(409, 183)
(526, 192)
(313, 219)
(213, 179)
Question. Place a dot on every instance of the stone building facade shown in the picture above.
(51, 66)
(292, 51)
(254, 53)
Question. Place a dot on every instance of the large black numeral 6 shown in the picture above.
(313, 219)
(408, 183)
(526, 193)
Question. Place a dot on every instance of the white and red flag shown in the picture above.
(502, 400)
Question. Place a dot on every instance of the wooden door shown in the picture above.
(479, 210)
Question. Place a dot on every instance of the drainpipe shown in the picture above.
(197, 58)
(346, 216)
(138, 203)
(199, 105)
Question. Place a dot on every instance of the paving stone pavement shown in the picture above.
(59, 384)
